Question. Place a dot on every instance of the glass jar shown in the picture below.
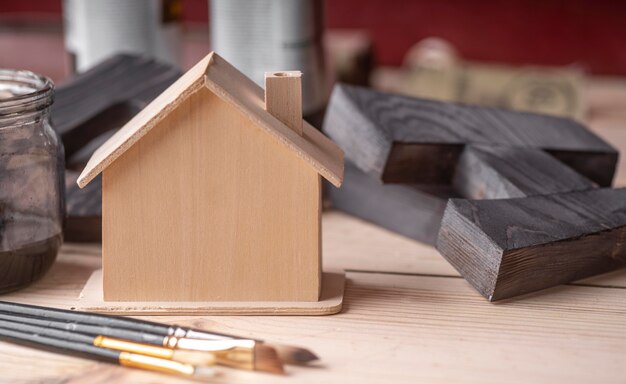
(31, 180)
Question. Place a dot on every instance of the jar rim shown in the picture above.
(36, 91)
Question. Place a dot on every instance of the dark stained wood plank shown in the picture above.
(411, 210)
(509, 247)
(403, 161)
(79, 159)
(412, 143)
(371, 125)
(106, 96)
(90, 108)
(498, 172)
(416, 210)
(597, 166)
(84, 210)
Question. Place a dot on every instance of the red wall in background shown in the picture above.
(553, 32)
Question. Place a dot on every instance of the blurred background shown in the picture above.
(110, 58)
(591, 33)
(522, 54)
(360, 37)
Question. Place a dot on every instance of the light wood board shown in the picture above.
(219, 226)
(283, 98)
(330, 302)
(405, 328)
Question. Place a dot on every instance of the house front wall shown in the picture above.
(207, 206)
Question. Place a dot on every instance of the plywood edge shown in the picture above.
(331, 302)
(336, 170)
(144, 121)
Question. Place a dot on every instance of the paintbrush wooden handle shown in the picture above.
(119, 333)
(85, 318)
(74, 344)
(131, 329)
(60, 346)
(114, 322)
(48, 332)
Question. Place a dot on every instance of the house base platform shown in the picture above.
(331, 301)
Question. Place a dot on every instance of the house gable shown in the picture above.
(207, 194)
(230, 85)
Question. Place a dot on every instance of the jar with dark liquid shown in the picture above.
(31, 180)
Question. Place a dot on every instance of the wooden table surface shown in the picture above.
(408, 317)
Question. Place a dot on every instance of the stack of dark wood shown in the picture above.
(420, 167)
(87, 111)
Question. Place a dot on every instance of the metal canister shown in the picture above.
(98, 29)
(268, 35)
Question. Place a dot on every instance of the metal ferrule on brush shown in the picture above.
(176, 332)
(202, 358)
(155, 364)
(143, 349)
(233, 353)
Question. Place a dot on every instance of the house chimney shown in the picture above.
(283, 98)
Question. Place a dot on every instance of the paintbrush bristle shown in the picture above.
(204, 373)
(266, 359)
(294, 355)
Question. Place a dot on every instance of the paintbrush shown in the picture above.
(182, 356)
(288, 354)
(235, 353)
(126, 359)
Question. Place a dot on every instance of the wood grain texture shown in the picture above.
(410, 142)
(370, 125)
(125, 85)
(246, 96)
(499, 172)
(196, 205)
(231, 86)
(422, 326)
(283, 98)
(480, 153)
(416, 210)
(370, 248)
(509, 247)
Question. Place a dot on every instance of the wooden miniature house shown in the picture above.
(213, 192)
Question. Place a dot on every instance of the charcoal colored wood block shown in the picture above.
(416, 210)
(373, 127)
(87, 110)
(84, 210)
(534, 169)
(106, 97)
(508, 247)
(498, 172)
(403, 208)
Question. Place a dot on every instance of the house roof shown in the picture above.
(240, 92)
